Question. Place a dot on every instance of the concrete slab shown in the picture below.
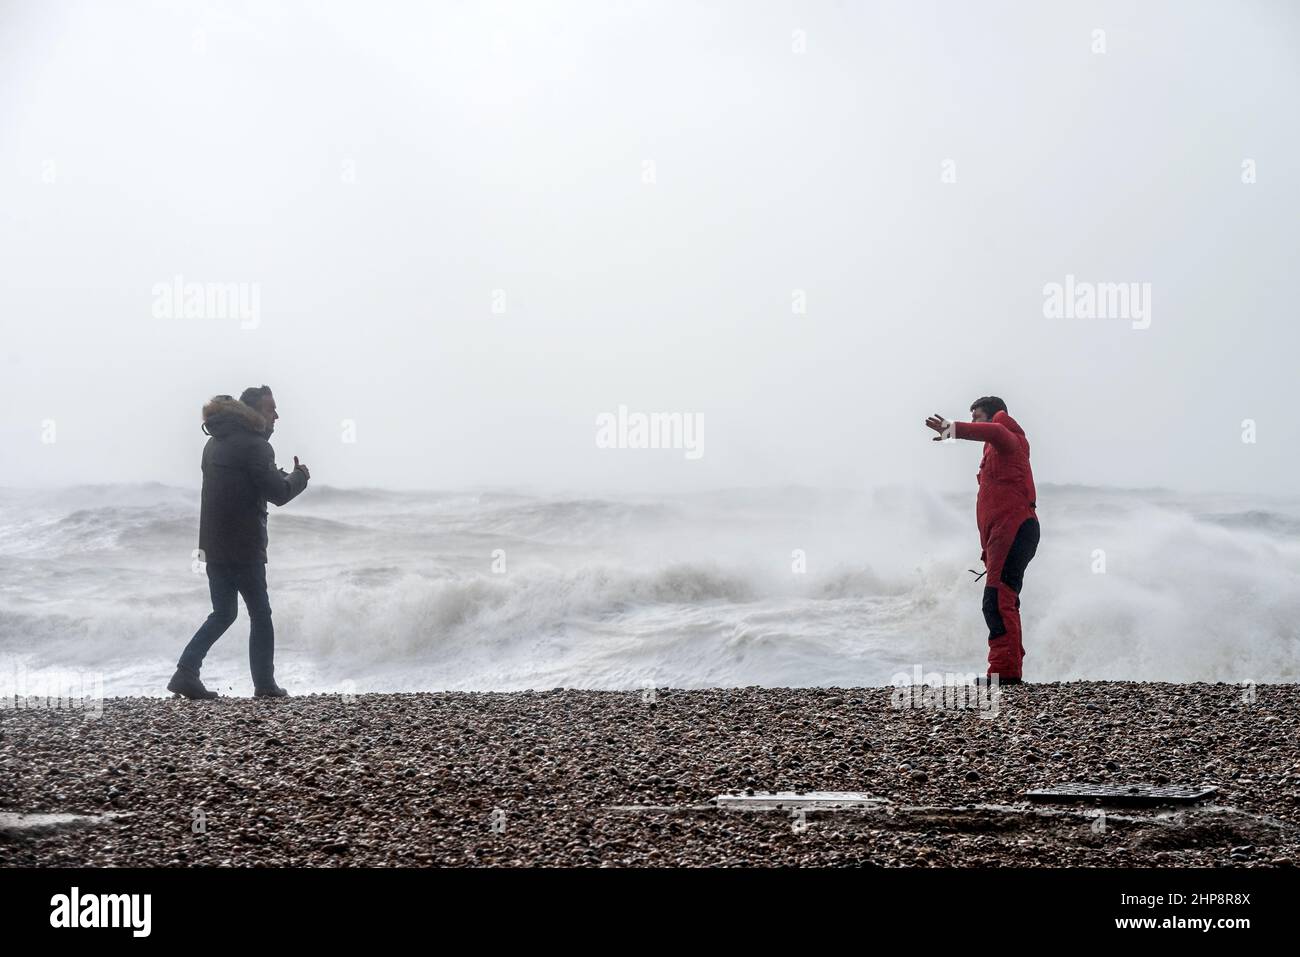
(808, 800)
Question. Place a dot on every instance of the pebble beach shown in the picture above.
(630, 778)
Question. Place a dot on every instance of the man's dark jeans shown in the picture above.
(226, 582)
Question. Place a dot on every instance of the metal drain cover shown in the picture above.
(775, 800)
(1124, 793)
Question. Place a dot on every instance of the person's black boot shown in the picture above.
(987, 681)
(187, 683)
(271, 691)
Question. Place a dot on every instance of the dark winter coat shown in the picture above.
(239, 477)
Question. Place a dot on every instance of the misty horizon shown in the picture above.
(451, 239)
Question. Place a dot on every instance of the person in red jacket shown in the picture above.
(1007, 520)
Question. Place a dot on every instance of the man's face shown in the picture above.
(266, 405)
(978, 415)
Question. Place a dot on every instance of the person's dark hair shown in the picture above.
(254, 394)
(991, 405)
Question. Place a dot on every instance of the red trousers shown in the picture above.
(1006, 555)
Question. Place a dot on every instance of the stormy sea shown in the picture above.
(493, 590)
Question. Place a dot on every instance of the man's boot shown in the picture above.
(187, 683)
(988, 680)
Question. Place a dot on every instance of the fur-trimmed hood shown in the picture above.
(223, 414)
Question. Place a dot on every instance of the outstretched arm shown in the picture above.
(992, 432)
(995, 433)
(278, 487)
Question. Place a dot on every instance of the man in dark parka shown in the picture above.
(239, 477)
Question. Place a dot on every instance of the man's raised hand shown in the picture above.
(299, 465)
(940, 425)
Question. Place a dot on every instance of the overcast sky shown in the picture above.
(471, 228)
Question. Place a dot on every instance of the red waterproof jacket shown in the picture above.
(1007, 496)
